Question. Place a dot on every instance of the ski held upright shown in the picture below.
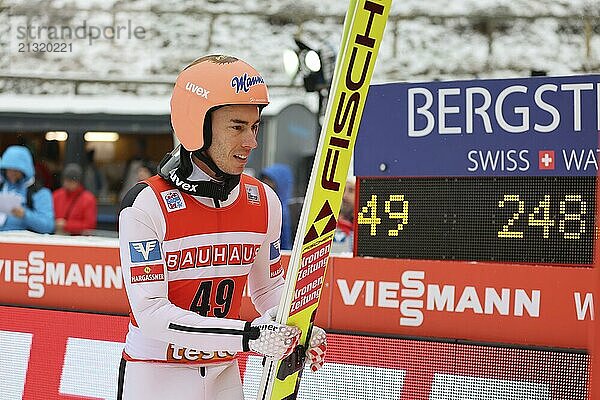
(364, 26)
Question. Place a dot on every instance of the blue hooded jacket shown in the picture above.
(283, 178)
(39, 218)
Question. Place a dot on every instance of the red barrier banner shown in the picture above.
(497, 303)
(53, 354)
(75, 356)
(69, 277)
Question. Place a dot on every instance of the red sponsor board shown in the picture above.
(498, 303)
(70, 277)
(533, 305)
(66, 355)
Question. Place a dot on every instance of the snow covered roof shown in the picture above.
(123, 104)
(424, 40)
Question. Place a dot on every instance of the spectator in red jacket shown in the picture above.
(74, 206)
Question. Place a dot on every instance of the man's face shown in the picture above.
(234, 130)
(70, 184)
(347, 209)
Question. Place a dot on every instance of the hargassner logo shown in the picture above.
(147, 250)
(197, 90)
(245, 82)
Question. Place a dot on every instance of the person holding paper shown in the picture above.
(23, 204)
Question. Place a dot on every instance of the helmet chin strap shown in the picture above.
(219, 173)
(179, 177)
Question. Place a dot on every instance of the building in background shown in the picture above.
(95, 80)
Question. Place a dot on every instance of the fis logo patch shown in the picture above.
(147, 273)
(173, 200)
(252, 194)
(274, 252)
(148, 250)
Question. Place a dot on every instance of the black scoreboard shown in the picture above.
(506, 219)
(500, 170)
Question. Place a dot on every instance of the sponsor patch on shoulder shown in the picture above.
(252, 194)
(144, 251)
(147, 273)
(275, 269)
(274, 252)
(173, 200)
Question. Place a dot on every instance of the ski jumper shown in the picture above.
(186, 261)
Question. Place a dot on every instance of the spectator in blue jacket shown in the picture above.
(280, 178)
(36, 212)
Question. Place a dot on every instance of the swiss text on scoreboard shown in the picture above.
(495, 170)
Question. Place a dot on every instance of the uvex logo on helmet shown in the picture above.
(245, 82)
(198, 90)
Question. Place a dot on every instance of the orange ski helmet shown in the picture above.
(209, 82)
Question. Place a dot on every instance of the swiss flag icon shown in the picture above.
(546, 159)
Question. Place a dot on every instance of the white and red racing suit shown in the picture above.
(186, 260)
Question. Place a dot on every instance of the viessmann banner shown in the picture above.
(85, 278)
(544, 306)
(543, 126)
(488, 302)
